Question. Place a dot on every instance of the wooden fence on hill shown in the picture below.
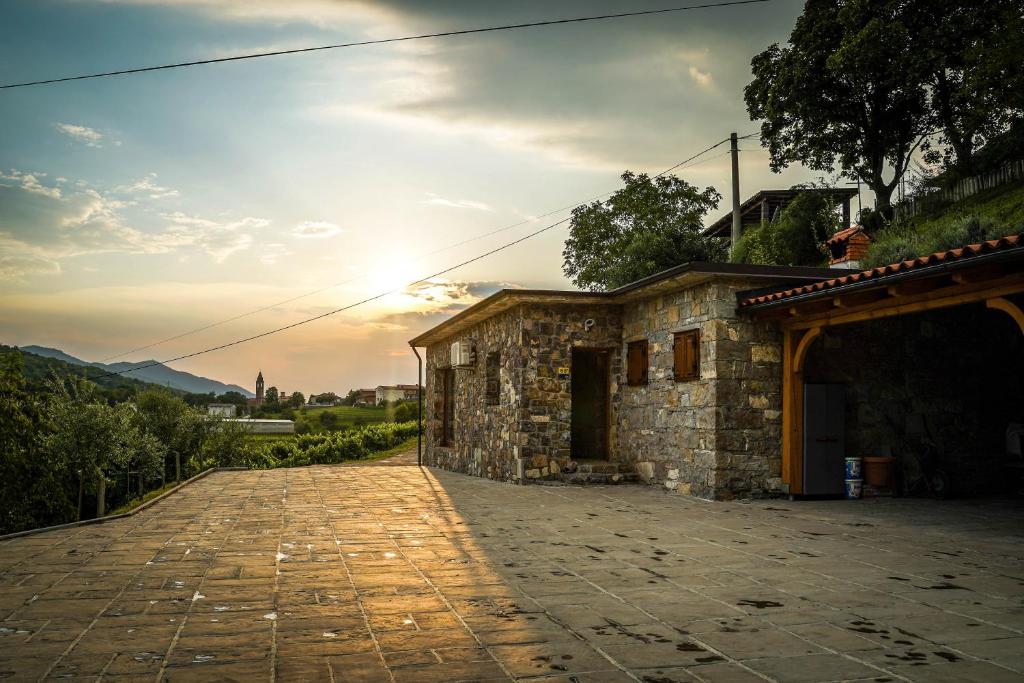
(1007, 173)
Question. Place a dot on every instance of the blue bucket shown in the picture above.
(853, 468)
(854, 488)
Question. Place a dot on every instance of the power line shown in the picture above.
(442, 34)
(268, 307)
(381, 295)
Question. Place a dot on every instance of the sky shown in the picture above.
(138, 208)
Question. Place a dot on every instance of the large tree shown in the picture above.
(970, 58)
(845, 90)
(649, 225)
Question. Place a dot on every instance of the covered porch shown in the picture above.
(913, 347)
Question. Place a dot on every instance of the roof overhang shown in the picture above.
(680, 277)
(973, 273)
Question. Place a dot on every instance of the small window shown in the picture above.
(492, 374)
(686, 352)
(447, 381)
(636, 363)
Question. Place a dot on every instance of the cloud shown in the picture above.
(457, 203)
(702, 78)
(148, 187)
(316, 229)
(41, 226)
(89, 136)
(30, 183)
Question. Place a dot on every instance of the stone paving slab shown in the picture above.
(389, 572)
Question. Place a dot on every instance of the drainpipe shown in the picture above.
(419, 406)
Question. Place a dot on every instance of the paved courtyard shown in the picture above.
(374, 573)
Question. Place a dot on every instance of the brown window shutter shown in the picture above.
(636, 363)
(686, 352)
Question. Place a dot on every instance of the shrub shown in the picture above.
(795, 238)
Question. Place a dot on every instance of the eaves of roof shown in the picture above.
(679, 277)
(1003, 249)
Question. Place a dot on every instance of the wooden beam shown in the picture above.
(1008, 307)
(944, 297)
(801, 349)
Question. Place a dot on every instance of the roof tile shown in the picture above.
(970, 250)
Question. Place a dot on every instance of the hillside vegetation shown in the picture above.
(988, 215)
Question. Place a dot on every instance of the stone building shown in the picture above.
(660, 378)
(708, 379)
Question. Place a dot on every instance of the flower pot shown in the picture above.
(878, 471)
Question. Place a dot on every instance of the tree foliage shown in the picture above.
(970, 59)
(795, 238)
(650, 225)
(842, 91)
(865, 83)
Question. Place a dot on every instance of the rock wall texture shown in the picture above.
(526, 433)
(718, 436)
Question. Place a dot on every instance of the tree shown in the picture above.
(351, 397)
(649, 225)
(846, 90)
(180, 428)
(35, 489)
(271, 395)
(969, 58)
(296, 400)
(96, 439)
(795, 238)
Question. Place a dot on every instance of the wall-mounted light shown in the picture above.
(588, 323)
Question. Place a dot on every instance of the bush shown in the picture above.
(328, 419)
(795, 238)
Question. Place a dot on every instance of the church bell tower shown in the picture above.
(259, 388)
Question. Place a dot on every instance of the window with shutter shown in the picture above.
(492, 392)
(447, 435)
(636, 363)
(686, 350)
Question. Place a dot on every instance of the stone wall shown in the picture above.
(531, 421)
(550, 333)
(714, 437)
(486, 440)
(955, 376)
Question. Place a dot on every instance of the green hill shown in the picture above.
(992, 214)
(38, 369)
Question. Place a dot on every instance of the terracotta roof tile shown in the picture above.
(968, 251)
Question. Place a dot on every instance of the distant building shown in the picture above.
(259, 388)
(366, 397)
(222, 409)
(397, 392)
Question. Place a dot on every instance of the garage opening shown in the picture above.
(930, 402)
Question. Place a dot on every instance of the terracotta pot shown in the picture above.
(878, 471)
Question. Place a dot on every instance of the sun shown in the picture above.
(394, 271)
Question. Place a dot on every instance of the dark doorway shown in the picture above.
(589, 436)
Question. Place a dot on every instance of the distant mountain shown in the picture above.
(38, 370)
(157, 374)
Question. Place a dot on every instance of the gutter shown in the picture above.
(419, 406)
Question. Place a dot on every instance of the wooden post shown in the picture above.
(101, 494)
(737, 230)
(795, 345)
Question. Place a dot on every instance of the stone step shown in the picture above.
(598, 467)
(600, 478)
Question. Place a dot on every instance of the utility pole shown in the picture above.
(736, 229)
